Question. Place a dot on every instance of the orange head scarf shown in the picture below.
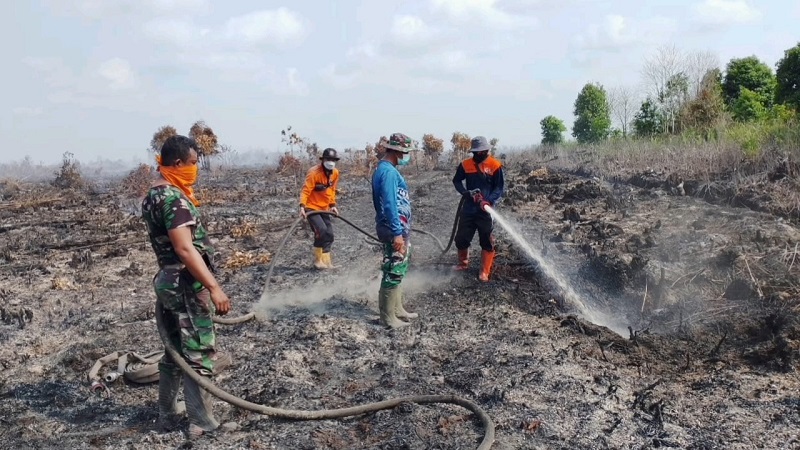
(181, 177)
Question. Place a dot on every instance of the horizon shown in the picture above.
(343, 74)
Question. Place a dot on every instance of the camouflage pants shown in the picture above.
(394, 266)
(188, 313)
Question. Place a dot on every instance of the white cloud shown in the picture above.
(279, 26)
(28, 111)
(724, 12)
(294, 85)
(362, 51)
(481, 12)
(103, 9)
(178, 32)
(616, 32)
(450, 61)
(107, 84)
(118, 73)
(410, 31)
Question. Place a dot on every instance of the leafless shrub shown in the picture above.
(288, 164)
(138, 181)
(207, 142)
(9, 189)
(69, 175)
(160, 136)
(460, 145)
(355, 162)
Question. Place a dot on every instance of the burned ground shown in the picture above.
(708, 291)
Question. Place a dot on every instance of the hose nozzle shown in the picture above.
(111, 377)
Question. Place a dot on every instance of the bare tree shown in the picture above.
(623, 101)
(662, 67)
(698, 64)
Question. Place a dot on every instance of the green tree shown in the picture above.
(593, 115)
(708, 107)
(748, 73)
(749, 106)
(673, 98)
(552, 130)
(648, 120)
(788, 78)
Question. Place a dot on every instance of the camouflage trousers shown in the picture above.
(188, 318)
(394, 266)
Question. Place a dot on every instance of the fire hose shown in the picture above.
(293, 414)
(296, 223)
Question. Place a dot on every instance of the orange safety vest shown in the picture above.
(319, 190)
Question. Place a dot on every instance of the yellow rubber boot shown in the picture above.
(326, 258)
(319, 261)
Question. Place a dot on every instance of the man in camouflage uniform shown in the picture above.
(185, 284)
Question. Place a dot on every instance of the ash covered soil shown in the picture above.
(696, 347)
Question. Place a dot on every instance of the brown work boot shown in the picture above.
(388, 308)
(487, 259)
(463, 260)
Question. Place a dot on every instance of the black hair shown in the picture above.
(177, 148)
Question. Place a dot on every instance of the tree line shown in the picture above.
(684, 93)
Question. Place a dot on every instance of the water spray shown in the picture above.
(584, 309)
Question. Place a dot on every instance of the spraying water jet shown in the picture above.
(584, 309)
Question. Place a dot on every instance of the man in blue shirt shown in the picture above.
(393, 226)
(483, 175)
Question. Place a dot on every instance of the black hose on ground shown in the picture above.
(294, 414)
(325, 414)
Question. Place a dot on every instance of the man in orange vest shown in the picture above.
(483, 175)
(319, 194)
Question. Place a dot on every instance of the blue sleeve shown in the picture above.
(499, 185)
(389, 194)
(458, 180)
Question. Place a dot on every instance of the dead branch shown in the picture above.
(753, 279)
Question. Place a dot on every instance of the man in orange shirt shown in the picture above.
(319, 194)
(483, 176)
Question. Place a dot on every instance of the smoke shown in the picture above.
(356, 284)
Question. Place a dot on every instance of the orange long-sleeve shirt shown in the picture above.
(319, 190)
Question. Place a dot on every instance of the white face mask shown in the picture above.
(329, 164)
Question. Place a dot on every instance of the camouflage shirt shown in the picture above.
(165, 208)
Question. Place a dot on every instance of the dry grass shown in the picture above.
(243, 230)
(9, 189)
(61, 284)
(241, 259)
(209, 197)
(138, 181)
(69, 175)
(288, 164)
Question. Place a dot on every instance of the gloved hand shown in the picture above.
(335, 210)
(477, 197)
(303, 212)
(483, 204)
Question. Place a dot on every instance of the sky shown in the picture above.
(98, 77)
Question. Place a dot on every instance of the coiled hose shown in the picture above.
(325, 414)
